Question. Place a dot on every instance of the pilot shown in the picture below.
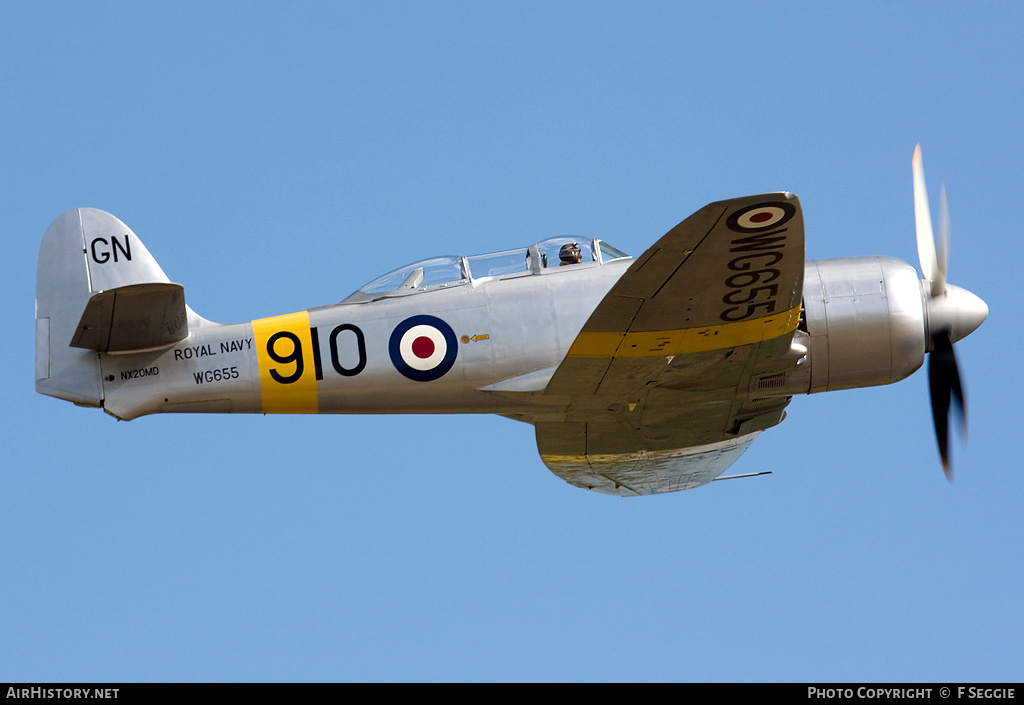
(570, 254)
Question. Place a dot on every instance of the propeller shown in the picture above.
(951, 313)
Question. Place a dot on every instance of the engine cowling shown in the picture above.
(865, 322)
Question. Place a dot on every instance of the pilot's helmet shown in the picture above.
(570, 253)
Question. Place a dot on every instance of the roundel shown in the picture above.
(423, 348)
(761, 216)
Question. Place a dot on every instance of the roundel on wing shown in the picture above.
(761, 216)
(423, 348)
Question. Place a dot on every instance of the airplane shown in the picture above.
(640, 375)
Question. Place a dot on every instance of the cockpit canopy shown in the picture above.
(451, 270)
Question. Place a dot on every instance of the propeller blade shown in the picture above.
(951, 313)
(923, 221)
(946, 390)
(942, 256)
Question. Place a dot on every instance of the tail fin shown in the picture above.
(98, 290)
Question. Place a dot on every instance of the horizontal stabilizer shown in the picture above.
(133, 317)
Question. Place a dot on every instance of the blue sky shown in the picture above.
(275, 157)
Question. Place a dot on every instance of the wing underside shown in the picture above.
(665, 386)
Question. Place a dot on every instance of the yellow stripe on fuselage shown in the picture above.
(685, 340)
(287, 383)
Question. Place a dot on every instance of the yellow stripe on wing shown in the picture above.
(685, 340)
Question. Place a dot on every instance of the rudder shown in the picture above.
(98, 289)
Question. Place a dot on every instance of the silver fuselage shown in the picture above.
(864, 326)
(505, 327)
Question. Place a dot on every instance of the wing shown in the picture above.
(657, 388)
